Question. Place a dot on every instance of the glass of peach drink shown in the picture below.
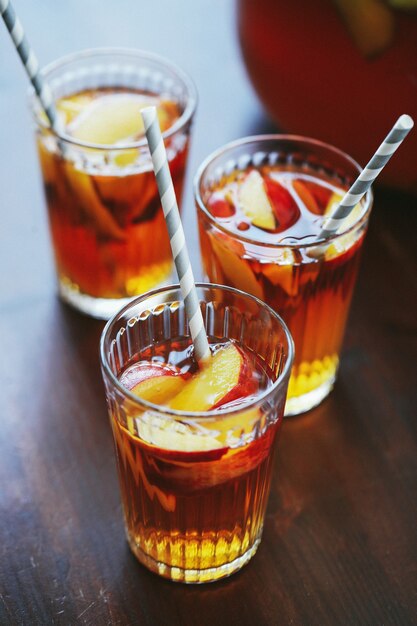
(106, 222)
(195, 445)
(261, 203)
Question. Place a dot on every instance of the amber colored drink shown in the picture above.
(107, 227)
(106, 221)
(195, 445)
(196, 509)
(258, 228)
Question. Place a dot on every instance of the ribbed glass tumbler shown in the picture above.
(195, 485)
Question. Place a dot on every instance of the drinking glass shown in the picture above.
(105, 216)
(195, 485)
(310, 286)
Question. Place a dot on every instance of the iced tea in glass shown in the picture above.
(106, 221)
(195, 445)
(261, 203)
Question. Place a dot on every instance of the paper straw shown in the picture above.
(176, 233)
(365, 179)
(29, 60)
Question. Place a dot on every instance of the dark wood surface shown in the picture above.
(339, 545)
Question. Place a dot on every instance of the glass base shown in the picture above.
(193, 576)
(307, 401)
(100, 308)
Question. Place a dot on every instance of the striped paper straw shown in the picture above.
(176, 233)
(29, 60)
(365, 179)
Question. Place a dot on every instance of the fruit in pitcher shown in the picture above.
(371, 24)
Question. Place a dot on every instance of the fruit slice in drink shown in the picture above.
(225, 379)
(254, 201)
(235, 269)
(154, 382)
(114, 118)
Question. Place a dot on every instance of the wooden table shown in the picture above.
(339, 544)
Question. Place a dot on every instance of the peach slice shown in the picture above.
(82, 187)
(154, 382)
(236, 270)
(109, 119)
(321, 194)
(159, 390)
(191, 470)
(220, 205)
(113, 118)
(332, 202)
(306, 196)
(197, 443)
(283, 273)
(159, 383)
(72, 106)
(285, 208)
(225, 378)
(255, 203)
(129, 195)
(171, 435)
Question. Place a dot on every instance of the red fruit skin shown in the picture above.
(344, 257)
(283, 204)
(219, 206)
(180, 456)
(320, 194)
(144, 370)
(189, 472)
(246, 385)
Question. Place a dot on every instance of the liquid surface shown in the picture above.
(233, 376)
(273, 205)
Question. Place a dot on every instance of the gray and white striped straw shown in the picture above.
(176, 233)
(365, 179)
(29, 60)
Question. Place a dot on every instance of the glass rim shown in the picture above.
(135, 53)
(166, 411)
(277, 137)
